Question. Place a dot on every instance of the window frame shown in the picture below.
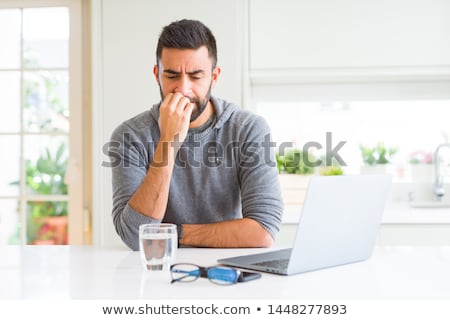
(78, 214)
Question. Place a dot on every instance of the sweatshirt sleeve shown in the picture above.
(129, 160)
(260, 187)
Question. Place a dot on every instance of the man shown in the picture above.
(195, 160)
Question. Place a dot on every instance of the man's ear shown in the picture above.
(215, 75)
(156, 73)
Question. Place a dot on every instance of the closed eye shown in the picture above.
(194, 75)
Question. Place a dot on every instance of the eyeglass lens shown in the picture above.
(222, 275)
(184, 272)
(191, 272)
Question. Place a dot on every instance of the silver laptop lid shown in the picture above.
(340, 221)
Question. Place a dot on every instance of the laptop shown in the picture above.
(339, 224)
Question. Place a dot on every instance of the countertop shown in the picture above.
(86, 272)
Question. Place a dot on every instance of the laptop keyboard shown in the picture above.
(280, 264)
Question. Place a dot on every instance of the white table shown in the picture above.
(84, 272)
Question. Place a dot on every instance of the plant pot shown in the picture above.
(55, 229)
(375, 169)
(293, 188)
(422, 172)
(422, 178)
(43, 242)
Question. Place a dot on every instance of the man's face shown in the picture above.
(188, 71)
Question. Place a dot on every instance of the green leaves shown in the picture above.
(378, 154)
(293, 161)
(46, 176)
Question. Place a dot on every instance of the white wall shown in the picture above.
(289, 34)
(124, 44)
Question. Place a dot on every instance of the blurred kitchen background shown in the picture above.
(372, 75)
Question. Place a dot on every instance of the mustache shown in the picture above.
(194, 100)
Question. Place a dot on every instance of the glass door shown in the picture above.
(35, 125)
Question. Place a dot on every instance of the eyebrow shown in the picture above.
(170, 71)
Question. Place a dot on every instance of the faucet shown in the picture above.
(438, 189)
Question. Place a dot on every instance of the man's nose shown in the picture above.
(184, 86)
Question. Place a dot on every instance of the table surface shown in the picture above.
(86, 272)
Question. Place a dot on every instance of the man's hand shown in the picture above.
(174, 117)
(151, 197)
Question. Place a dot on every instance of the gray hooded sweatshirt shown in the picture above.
(224, 170)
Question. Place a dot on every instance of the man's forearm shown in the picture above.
(151, 197)
(228, 234)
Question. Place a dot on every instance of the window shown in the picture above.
(409, 127)
(40, 50)
(315, 70)
(406, 115)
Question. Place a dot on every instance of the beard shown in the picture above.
(200, 104)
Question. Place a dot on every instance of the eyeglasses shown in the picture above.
(187, 272)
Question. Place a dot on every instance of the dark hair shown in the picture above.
(187, 34)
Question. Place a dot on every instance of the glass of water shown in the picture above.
(158, 244)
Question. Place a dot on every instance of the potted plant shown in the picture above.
(334, 169)
(47, 220)
(46, 176)
(293, 161)
(421, 165)
(294, 173)
(40, 232)
(376, 158)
